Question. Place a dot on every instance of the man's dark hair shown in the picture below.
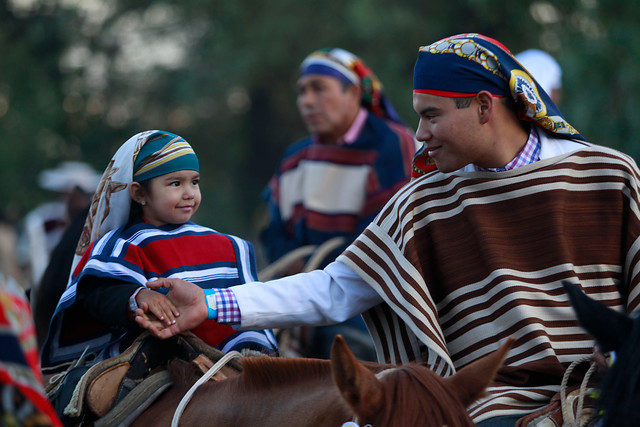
(507, 101)
(463, 102)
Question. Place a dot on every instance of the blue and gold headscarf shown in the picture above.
(163, 153)
(463, 65)
(348, 68)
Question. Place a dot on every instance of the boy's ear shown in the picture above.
(136, 192)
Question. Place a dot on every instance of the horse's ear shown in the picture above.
(609, 327)
(358, 385)
(470, 382)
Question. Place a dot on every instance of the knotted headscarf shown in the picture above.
(463, 65)
(348, 68)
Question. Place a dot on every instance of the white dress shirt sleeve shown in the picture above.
(320, 297)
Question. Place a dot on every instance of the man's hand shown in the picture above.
(190, 302)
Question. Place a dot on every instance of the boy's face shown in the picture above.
(172, 198)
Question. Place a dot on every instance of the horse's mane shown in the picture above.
(260, 372)
(424, 397)
(266, 371)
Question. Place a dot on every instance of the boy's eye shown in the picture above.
(174, 183)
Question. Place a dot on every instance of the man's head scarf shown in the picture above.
(543, 67)
(351, 70)
(111, 201)
(463, 65)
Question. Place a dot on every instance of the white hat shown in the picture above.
(69, 175)
(543, 67)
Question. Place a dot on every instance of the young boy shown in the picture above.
(140, 235)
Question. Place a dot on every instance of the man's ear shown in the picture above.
(486, 104)
(136, 192)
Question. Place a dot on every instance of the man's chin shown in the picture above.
(313, 129)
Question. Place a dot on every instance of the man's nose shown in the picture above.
(423, 133)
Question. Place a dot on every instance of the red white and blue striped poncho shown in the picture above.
(141, 253)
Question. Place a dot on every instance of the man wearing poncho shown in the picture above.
(332, 183)
(464, 257)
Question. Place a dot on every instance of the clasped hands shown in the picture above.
(188, 298)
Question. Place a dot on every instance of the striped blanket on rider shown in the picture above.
(466, 259)
(142, 253)
(321, 191)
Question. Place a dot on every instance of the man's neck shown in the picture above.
(351, 133)
(529, 153)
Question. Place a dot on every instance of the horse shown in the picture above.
(272, 391)
(619, 388)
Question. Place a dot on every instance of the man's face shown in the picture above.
(327, 109)
(451, 135)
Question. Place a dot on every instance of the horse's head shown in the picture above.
(613, 331)
(411, 394)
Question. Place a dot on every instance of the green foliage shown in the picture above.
(79, 78)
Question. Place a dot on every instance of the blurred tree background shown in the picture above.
(79, 77)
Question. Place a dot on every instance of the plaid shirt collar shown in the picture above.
(530, 153)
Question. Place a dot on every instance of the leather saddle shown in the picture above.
(117, 390)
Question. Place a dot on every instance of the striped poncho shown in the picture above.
(141, 253)
(321, 191)
(465, 260)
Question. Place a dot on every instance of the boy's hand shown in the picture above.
(158, 305)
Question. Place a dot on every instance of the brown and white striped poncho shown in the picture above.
(465, 260)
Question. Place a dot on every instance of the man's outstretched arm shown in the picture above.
(320, 297)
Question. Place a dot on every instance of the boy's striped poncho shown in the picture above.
(465, 260)
(142, 253)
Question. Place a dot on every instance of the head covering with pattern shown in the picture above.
(461, 66)
(348, 68)
(164, 153)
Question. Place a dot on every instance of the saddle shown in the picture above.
(117, 390)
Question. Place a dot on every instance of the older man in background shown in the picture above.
(332, 183)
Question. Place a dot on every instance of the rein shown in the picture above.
(210, 373)
(567, 413)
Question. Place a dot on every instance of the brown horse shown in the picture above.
(313, 392)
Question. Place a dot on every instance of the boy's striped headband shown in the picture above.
(163, 153)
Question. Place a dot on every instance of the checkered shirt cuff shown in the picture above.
(228, 310)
